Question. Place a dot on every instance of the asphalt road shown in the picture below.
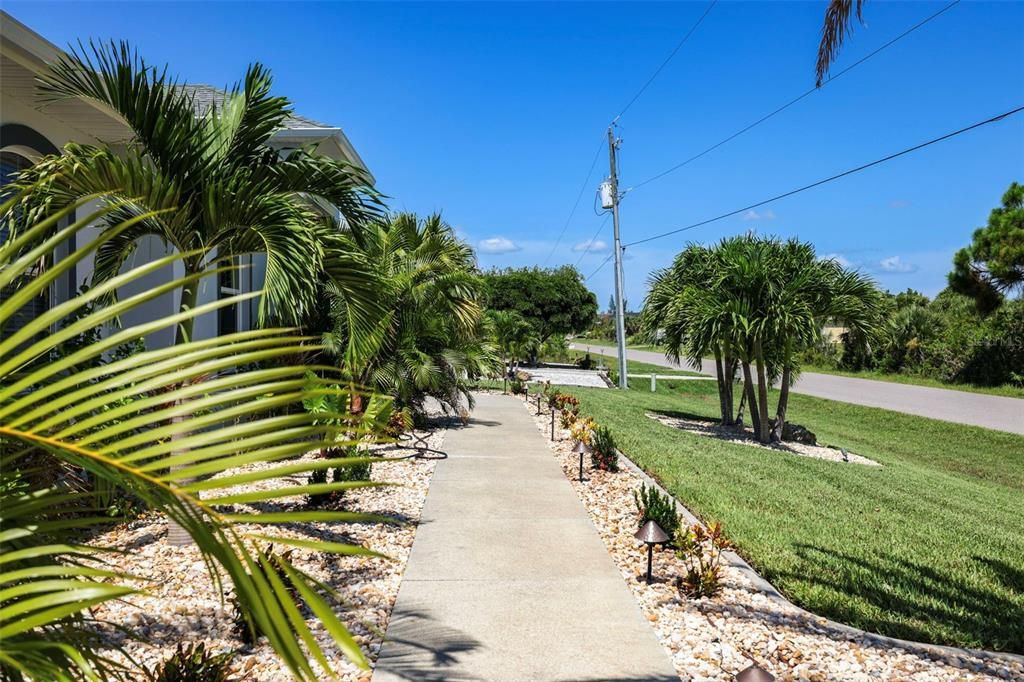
(988, 411)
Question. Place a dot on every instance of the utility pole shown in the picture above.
(620, 306)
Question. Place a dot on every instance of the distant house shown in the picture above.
(30, 129)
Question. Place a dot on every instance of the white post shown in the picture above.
(654, 382)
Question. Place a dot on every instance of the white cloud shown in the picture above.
(767, 214)
(592, 246)
(839, 258)
(498, 245)
(894, 264)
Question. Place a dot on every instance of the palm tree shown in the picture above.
(670, 312)
(430, 336)
(512, 333)
(123, 422)
(756, 303)
(809, 292)
(836, 27)
(210, 186)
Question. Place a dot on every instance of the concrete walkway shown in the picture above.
(508, 578)
(977, 409)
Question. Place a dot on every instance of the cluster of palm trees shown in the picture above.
(369, 301)
(754, 304)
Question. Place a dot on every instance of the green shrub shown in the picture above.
(654, 506)
(603, 453)
(193, 663)
(317, 477)
(517, 387)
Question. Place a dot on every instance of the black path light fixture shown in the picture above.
(651, 534)
(580, 449)
(538, 404)
(552, 422)
(754, 673)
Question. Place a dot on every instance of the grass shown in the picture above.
(928, 547)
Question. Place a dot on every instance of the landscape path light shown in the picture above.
(754, 673)
(580, 449)
(538, 404)
(552, 422)
(651, 534)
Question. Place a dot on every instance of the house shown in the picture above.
(30, 128)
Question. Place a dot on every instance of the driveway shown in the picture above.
(977, 409)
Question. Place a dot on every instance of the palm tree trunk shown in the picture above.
(176, 535)
(762, 394)
(780, 414)
(748, 388)
(189, 296)
(730, 376)
(722, 388)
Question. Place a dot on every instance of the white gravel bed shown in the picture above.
(746, 437)
(713, 639)
(182, 605)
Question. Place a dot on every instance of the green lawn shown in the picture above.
(928, 547)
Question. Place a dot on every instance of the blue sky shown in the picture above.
(492, 113)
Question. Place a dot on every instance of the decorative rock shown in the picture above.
(713, 639)
(181, 603)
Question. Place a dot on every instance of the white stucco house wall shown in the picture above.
(30, 129)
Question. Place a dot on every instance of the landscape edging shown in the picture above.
(766, 588)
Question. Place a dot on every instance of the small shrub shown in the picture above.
(586, 362)
(603, 454)
(249, 632)
(701, 551)
(193, 663)
(582, 429)
(654, 506)
(517, 387)
(317, 500)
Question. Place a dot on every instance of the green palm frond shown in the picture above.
(177, 428)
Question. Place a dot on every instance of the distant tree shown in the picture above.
(552, 301)
(993, 265)
(909, 298)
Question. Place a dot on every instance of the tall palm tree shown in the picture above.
(430, 336)
(211, 186)
(124, 421)
(837, 25)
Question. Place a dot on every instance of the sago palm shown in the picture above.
(176, 427)
(210, 186)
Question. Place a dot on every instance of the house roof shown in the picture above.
(296, 127)
(204, 96)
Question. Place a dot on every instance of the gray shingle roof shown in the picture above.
(204, 96)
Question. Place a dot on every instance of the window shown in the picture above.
(228, 285)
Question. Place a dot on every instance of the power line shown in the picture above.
(667, 60)
(790, 193)
(592, 239)
(796, 99)
(575, 205)
(603, 263)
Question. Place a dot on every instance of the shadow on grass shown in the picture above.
(918, 602)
